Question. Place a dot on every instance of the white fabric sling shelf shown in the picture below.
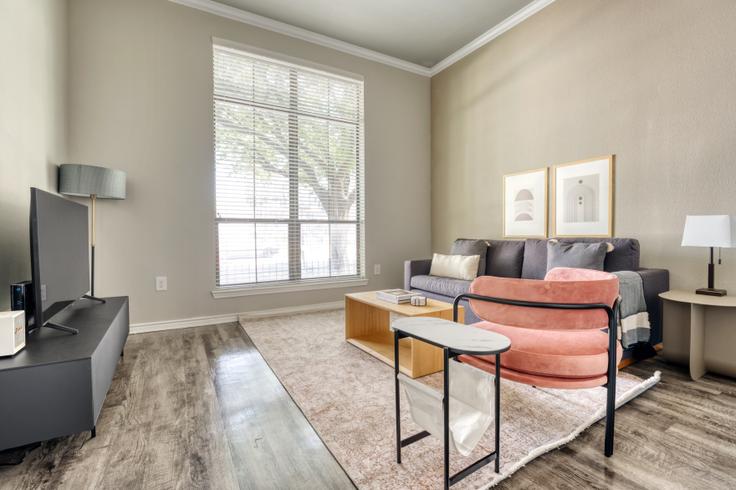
(471, 397)
(462, 413)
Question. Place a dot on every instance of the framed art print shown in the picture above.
(525, 204)
(582, 193)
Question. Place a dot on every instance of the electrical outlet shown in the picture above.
(162, 283)
(376, 269)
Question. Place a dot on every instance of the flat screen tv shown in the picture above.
(59, 255)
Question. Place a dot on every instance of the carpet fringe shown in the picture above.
(600, 414)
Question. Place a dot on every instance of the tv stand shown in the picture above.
(57, 385)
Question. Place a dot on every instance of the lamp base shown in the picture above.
(711, 291)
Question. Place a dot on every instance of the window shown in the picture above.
(289, 172)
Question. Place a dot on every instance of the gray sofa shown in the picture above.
(528, 259)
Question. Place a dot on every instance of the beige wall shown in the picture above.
(32, 120)
(653, 82)
(141, 100)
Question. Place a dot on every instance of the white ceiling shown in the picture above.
(422, 32)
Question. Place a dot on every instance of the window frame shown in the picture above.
(295, 283)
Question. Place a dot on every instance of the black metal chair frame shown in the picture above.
(611, 312)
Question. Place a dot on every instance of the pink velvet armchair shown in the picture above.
(557, 330)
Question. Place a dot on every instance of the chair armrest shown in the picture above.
(610, 310)
(655, 281)
(413, 268)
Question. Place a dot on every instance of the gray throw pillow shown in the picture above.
(578, 255)
(463, 246)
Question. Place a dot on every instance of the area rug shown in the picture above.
(348, 397)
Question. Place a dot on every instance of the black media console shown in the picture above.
(56, 386)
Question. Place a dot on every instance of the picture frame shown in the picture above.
(582, 198)
(525, 204)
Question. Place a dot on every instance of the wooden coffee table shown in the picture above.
(367, 321)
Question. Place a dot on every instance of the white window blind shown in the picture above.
(289, 171)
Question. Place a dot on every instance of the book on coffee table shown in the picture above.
(396, 296)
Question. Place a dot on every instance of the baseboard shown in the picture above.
(291, 310)
(202, 321)
(199, 321)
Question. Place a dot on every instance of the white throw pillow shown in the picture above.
(455, 266)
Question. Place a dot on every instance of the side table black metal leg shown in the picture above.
(446, 415)
(497, 382)
(93, 432)
(397, 394)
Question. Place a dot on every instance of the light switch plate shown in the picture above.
(376, 269)
(162, 283)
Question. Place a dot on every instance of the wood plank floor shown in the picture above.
(199, 408)
(679, 434)
(195, 408)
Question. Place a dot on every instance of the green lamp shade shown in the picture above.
(87, 180)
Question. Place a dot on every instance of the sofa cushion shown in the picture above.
(465, 246)
(504, 258)
(624, 257)
(440, 285)
(577, 255)
(558, 353)
(470, 317)
(535, 259)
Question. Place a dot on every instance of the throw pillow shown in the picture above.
(610, 247)
(578, 255)
(464, 246)
(455, 266)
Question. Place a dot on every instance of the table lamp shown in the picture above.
(95, 183)
(709, 231)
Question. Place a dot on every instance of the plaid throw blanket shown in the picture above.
(634, 324)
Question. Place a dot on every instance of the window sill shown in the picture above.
(238, 291)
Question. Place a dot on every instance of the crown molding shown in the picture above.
(266, 23)
(491, 34)
(303, 34)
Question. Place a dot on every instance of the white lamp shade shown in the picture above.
(709, 231)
